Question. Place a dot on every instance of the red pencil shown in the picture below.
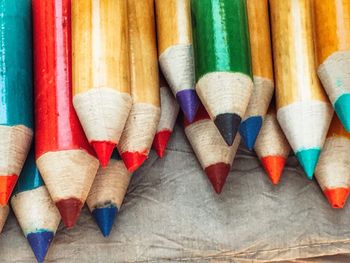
(63, 154)
(169, 109)
(214, 155)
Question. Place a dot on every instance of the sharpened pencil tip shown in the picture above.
(249, 130)
(217, 174)
(7, 184)
(160, 142)
(274, 167)
(103, 151)
(189, 102)
(133, 160)
(337, 196)
(69, 210)
(308, 160)
(105, 217)
(40, 243)
(228, 124)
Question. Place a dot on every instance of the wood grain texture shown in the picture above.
(68, 173)
(143, 52)
(4, 211)
(332, 27)
(271, 140)
(110, 185)
(173, 23)
(100, 45)
(101, 79)
(260, 38)
(333, 169)
(294, 54)
(35, 211)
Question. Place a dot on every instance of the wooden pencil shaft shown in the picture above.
(143, 52)
(294, 55)
(57, 125)
(100, 45)
(221, 37)
(260, 38)
(4, 211)
(173, 23)
(332, 26)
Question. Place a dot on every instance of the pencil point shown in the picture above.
(249, 129)
(69, 210)
(40, 243)
(160, 142)
(217, 174)
(103, 151)
(228, 124)
(133, 160)
(342, 108)
(274, 167)
(189, 102)
(105, 217)
(308, 160)
(7, 183)
(337, 196)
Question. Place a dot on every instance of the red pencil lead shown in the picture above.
(103, 151)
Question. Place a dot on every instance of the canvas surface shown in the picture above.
(172, 213)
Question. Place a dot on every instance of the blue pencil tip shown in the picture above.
(308, 160)
(189, 102)
(105, 217)
(342, 108)
(249, 130)
(40, 243)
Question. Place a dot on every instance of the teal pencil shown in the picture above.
(35, 211)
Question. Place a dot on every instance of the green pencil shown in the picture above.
(223, 61)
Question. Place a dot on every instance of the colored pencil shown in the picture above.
(212, 152)
(63, 155)
(33, 207)
(333, 169)
(4, 211)
(260, 44)
(16, 88)
(107, 193)
(223, 62)
(332, 27)
(272, 146)
(143, 120)
(168, 113)
(175, 49)
(303, 109)
(101, 81)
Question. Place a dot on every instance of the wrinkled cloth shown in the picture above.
(172, 213)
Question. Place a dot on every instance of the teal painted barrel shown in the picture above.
(16, 76)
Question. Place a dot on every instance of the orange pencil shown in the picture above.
(333, 169)
(272, 146)
(143, 120)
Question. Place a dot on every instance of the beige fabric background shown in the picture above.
(172, 214)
